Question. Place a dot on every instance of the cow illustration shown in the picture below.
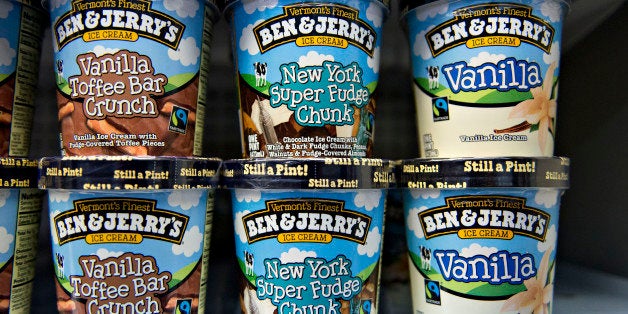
(426, 257)
(432, 75)
(59, 66)
(248, 261)
(59, 259)
(260, 69)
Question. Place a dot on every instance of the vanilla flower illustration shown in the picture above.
(540, 109)
(538, 295)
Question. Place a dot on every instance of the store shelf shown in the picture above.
(592, 117)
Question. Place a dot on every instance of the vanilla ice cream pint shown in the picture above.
(132, 75)
(308, 233)
(22, 23)
(306, 75)
(485, 75)
(130, 235)
(20, 214)
(482, 233)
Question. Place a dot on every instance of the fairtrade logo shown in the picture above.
(178, 120)
(440, 109)
(184, 306)
(432, 292)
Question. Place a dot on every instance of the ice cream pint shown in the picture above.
(21, 27)
(306, 75)
(130, 235)
(308, 233)
(482, 233)
(485, 76)
(132, 75)
(20, 214)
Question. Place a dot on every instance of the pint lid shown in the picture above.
(128, 173)
(509, 172)
(18, 173)
(308, 173)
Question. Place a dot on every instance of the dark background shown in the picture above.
(592, 131)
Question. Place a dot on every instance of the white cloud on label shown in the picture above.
(313, 58)
(431, 11)
(251, 5)
(238, 226)
(294, 255)
(190, 244)
(420, 47)
(185, 199)
(58, 196)
(373, 62)
(247, 195)
(476, 249)
(554, 54)
(369, 199)
(546, 197)
(8, 53)
(485, 57)
(551, 236)
(424, 194)
(5, 240)
(4, 195)
(184, 8)
(103, 253)
(100, 50)
(552, 9)
(247, 41)
(5, 8)
(412, 220)
(374, 14)
(188, 52)
(372, 244)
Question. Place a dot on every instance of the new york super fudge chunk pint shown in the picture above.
(306, 75)
(308, 233)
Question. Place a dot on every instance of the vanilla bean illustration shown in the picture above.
(515, 128)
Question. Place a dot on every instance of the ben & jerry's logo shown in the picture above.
(119, 20)
(119, 220)
(495, 217)
(316, 24)
(306, 220)
(491, 24)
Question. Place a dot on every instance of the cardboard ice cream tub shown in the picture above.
(20, 211)
(130, 234)
(306, 75)
(485, 75)
(482, 233)
(21, 28)
(308, 233)
(131, 76)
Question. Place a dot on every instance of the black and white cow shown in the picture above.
(59, 259)
(248, 261)
(426, 257)
(260, 68)
(59, 66)
(432, 75)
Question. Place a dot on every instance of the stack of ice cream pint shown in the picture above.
(131, 199)
(21, 27)
(308, 199)
(481, 205)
